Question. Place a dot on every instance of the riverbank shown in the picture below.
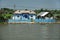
(3, 23)
(35, 22)
(31, 23)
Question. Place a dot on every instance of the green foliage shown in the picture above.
(6, 13)
(6, 16)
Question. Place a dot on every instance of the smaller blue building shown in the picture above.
(22, 16)
(45, 17)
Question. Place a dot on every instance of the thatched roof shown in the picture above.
(24, 11)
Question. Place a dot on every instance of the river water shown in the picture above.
(29, 31)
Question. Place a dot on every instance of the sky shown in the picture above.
(30, 4)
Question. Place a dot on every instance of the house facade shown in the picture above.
(23, 16)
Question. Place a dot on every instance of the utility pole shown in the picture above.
(14, 6)
(14, 9)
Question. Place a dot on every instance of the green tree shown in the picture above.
(6, 13)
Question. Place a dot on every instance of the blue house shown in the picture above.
(22, 16)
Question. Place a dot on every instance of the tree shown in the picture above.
(6, 13)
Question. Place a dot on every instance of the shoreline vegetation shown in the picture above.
(6, 13)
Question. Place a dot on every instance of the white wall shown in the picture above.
(16, 17)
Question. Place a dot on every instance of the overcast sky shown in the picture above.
(30, 4)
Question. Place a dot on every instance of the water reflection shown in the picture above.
(30, 32)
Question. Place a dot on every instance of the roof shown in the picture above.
(43, 13)
(24, 11)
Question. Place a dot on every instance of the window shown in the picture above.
(17, 16)
(31, 15)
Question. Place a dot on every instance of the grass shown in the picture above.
(3, 23)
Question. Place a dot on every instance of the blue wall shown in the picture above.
(10, 20)
(45, 20)
(36, 20)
